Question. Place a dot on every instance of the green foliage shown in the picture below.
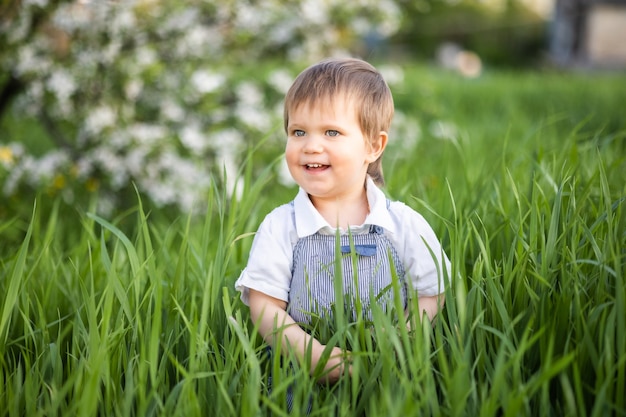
(504, 34)
(142, 94)
(135, 313)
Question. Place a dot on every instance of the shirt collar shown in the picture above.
(310, 221)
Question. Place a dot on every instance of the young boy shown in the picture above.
(337, 117)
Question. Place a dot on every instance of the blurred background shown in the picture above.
(169, 97)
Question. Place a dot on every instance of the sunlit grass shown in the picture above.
(101, 318)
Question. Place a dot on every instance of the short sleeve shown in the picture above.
(425, 260)
(271, 256)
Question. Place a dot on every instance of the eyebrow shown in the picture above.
(325, 126)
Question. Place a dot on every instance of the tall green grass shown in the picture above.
(99, 318)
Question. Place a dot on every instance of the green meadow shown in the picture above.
(521, 174)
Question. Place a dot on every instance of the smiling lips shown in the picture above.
(315, 166)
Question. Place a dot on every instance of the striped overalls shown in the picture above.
(313, 291)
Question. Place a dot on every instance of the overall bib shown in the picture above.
(313, 287)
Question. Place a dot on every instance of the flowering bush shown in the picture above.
(161, 94)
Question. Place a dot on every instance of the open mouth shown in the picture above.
(315, 167)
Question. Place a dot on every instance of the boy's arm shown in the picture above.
(271, 317)
(429, 305)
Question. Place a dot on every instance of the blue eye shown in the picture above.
(332, 133)
(298, 132)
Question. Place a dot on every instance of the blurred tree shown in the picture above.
(508, 35)
(145, 91)
(164, 94)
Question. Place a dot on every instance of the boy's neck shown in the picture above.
(343, 213)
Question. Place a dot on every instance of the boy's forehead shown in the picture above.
(325, 102)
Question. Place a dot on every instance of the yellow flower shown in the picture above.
(6, 155)
(92, 184)
(59, 181)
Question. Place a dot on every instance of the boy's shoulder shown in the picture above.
(405, 214)
(399, 207)
(280, 224)
(282, 214)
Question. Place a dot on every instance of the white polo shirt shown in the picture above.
(271, 257)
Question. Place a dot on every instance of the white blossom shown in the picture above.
(249, 94)
(107, 203)
(146, 133)
(157, 114)
(133, 88)
(113, 164)
(124, 20)
(15, 177)
(17, 149)
(110, 53)
(84, 167)
(205, 81)
(99, 119)
(281, 80)
(118, 140)
(45, 167)
(160, 192)
(227, 140)
(180, 21)
(200, 40)
(88, 60)
(250, 18)
(315, 11)
(145, 56)
(171, 110)
(72, 16)
(253, 117)
(20, 30)
(391, 21)
(283, 33)
(136, 159)
(29, 60)
(62, 84)
(192, 137)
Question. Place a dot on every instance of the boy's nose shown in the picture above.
(313, 144)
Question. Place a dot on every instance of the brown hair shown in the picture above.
(360, 82)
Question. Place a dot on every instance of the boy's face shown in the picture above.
(327, 153)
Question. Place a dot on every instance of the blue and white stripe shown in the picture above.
(313, 291)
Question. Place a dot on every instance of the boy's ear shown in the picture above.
(378, 145)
